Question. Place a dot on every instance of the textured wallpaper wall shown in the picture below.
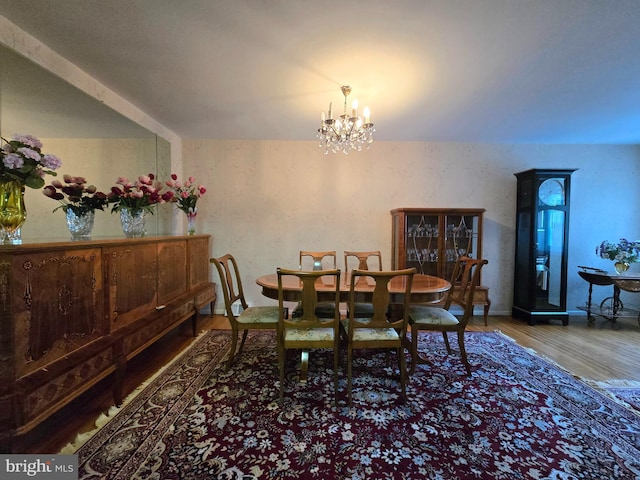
(267, 200)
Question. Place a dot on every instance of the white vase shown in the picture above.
(191, 223)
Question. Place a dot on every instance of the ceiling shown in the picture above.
(534, 71)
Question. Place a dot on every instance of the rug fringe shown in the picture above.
(105, 417)
(544, 357)
(528, 349)
(600, 386)
(500, 332)
(619, 383)
(604, 386)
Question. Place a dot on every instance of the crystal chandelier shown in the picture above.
(347, 132)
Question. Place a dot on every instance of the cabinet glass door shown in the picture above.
(549, 254)
(461, 239)
(422, 243)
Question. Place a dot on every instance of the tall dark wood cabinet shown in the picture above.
(542, 235)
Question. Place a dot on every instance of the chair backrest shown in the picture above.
(318, 258)
(381, 299)
(230, 282)
(466, 273)
(366, 260)
(308, 317)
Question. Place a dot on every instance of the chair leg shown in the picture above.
(336, 363)
(446, 342)
(234, 343)
(282, 360)
(416, 358)
(244, 337)
(414, 350)
(403, 372)
(349, 373)
(463, 352)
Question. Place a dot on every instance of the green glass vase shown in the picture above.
(13, 212)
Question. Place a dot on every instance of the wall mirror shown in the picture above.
(93, 141)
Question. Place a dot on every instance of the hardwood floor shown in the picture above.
(592, 352)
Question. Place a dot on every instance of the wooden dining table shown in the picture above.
(424, 288)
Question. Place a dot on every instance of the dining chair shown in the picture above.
(310, 330)
(321, 260)
(466, 274)
(247, 318)
(375, 329)
(371, 260)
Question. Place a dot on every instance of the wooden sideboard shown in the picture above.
(72, 313)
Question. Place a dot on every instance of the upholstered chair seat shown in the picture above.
(425, 315)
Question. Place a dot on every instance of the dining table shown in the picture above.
(424, 289)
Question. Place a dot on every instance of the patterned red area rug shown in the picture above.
(518, 417)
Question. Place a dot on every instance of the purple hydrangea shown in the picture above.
(13, 161)
(23, 161)
(50, 161)
(29, 140)
(29, 153)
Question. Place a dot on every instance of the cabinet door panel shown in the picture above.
(198, 261)
(57, 304)
(132, 276)
(423, 243)
(172, 270)
(460, 239)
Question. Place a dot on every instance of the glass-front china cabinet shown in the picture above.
(432, 239)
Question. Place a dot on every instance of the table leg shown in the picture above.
(616, 301)
(589, 317)
(304, 365)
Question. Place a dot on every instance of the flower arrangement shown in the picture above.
(186, 194)
(625, 251)
(23, 161)
(144, 193)
(75, 195)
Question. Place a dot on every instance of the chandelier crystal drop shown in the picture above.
(347, 132)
